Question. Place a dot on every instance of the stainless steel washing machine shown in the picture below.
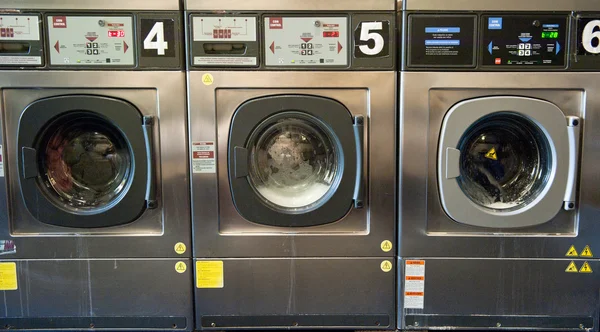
(292, 127)
(94, 223)
(498, 199)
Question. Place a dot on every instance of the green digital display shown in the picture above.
(549, 34)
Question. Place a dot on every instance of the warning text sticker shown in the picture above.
(414, 284)
(203, 157)
(209, 274)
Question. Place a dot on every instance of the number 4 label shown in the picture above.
(371, 39)
(157, 32)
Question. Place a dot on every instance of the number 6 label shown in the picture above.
(589, 37)
(371, 39)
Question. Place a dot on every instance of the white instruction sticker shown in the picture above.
(225, 60)
(20, 60)
(414, 284)
(18, 27)
(203, 157)
(1, 162)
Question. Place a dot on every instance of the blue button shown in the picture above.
(495, 23)
(442, 30)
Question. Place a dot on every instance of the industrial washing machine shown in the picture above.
(94, 217)
(499, 205)
(292, 128)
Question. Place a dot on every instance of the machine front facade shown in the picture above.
(92, 156)
(498, 204)
(292, 132)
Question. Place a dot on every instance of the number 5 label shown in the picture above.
(371, 39)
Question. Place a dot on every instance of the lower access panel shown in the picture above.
(295, 293)
(482, 294)
(100, 294)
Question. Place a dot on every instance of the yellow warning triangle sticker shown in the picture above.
(586, 252)
(585, 268)
(572, 268)
(207, 79)
(572, 252)
(491, 154)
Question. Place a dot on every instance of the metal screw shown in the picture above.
(317, 24)
(498, 324)
(575, 122)
(581, 326)
(92, 325)
(101, 23)
(416, 324)
(213, 324)
(295, 323)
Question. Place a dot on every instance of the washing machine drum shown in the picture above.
(83, 161)
(293, 160)
(503, 162)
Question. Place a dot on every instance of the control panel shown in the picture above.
(305, 41)
(91, 40)
(442, 40)
(225, 41)
(20, 40)
(538, 41)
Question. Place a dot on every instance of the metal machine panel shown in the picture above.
(503, 293)
(157, 231)
(219, 231)
(296, 293)
(312, 5)
(102, 40)
(101, 294)
(426, 231)
(92, 4)
(305, 41)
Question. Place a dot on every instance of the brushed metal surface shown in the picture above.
(493, 291)
(155, 233)
(53, 289)
(425, 230)
(369, 93)
(505, 5)
(300, 286)
(107, 5)
(309, 5)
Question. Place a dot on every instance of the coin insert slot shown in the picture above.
(14, 48)
(225, 48)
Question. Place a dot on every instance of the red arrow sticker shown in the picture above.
(91, 38)
(125, 47)
(306, 40)
(57, 46)
(272, 47)
(339, 47)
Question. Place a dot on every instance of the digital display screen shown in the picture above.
(116, 33)
(331, 33)
(549, 34)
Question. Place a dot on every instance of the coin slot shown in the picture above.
(225, 48)
(14, 48)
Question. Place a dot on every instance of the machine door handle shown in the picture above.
(573, 130)
(240, 162)
(359, 188)
(30, 169)
(147, 126)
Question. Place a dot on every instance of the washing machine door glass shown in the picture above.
(86, 162)
(293, 162)
(505, 161)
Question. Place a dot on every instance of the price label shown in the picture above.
(588, 36)
(371, 39)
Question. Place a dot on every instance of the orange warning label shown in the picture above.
(415, 262)
(415, 278)
(414, 293)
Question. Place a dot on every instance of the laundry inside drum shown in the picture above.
(294, 164)
(505, 161)
(86, 163)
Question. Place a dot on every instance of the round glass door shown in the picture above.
(85, 162)
(294, 162)
(505, 161)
